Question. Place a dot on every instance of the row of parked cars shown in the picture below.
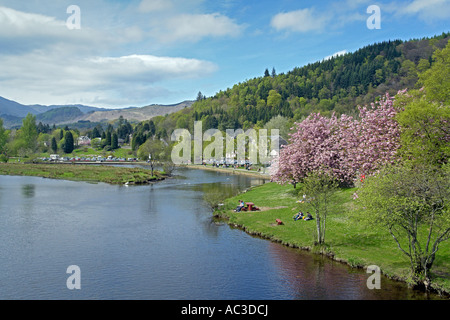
(228, 162)
(88, 159)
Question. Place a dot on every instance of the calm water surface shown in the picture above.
(154, 242)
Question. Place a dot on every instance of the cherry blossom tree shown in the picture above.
(312, 147)
(345, 146)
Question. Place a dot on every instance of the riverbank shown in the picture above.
(251, 173)
(80, 172)
(348, 240)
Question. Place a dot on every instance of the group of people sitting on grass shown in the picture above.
(301, 216)
(249, 206)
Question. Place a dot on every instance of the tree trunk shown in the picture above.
(319, 233)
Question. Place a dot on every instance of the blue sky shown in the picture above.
(141, 52)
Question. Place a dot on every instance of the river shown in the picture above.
(155, 242)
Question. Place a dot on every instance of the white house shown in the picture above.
(84, 141)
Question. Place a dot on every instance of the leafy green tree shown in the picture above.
(108, 138)
(274, 99)
(54, 145)
(425, 115)
(151, 128)
(3, 137)
(437, 79)
(319, 187)
(114, 141)
(139, 138)
(25, 141)
(281, 123)
(28, 132)
(425, 131)
(68, 142)
(411, 202)
(200, 96)
(154, 151)
(95, 133)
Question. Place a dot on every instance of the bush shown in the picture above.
(3, 158)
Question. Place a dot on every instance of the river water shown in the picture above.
(155, 242)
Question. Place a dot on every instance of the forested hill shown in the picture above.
(338, 84)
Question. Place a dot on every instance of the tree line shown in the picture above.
(32, 138)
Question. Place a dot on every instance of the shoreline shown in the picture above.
(269, 232)
(227, 170)
(330, 255)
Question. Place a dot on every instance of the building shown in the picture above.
(84, 141)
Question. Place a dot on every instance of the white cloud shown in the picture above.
(23, 32)
(15, 22)
(419, 5)
(52, 79)
(303, 20)
(337, 54)
(426, 9)
(155, 5)
(151, 68)
(45, 62)
(194, 27)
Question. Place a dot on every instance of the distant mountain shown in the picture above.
(12, 113)
(12, 108)
(84, 109)
(59, 115)
(11, 121)
(136, 114)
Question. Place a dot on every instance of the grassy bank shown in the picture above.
(347, 239)
(90, 173)
(241, 170)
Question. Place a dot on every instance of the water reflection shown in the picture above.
(28, 190)
(316, 277)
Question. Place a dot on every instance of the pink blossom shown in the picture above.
(346, 147)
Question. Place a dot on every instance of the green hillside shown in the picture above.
(59, 115)
(338, 85)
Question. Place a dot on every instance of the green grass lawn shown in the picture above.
(90, 173)
(347, 238)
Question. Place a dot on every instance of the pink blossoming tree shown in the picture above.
(345, 147)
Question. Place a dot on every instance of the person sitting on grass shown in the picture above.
(298, 216)
(240, 206)
(308, 217)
